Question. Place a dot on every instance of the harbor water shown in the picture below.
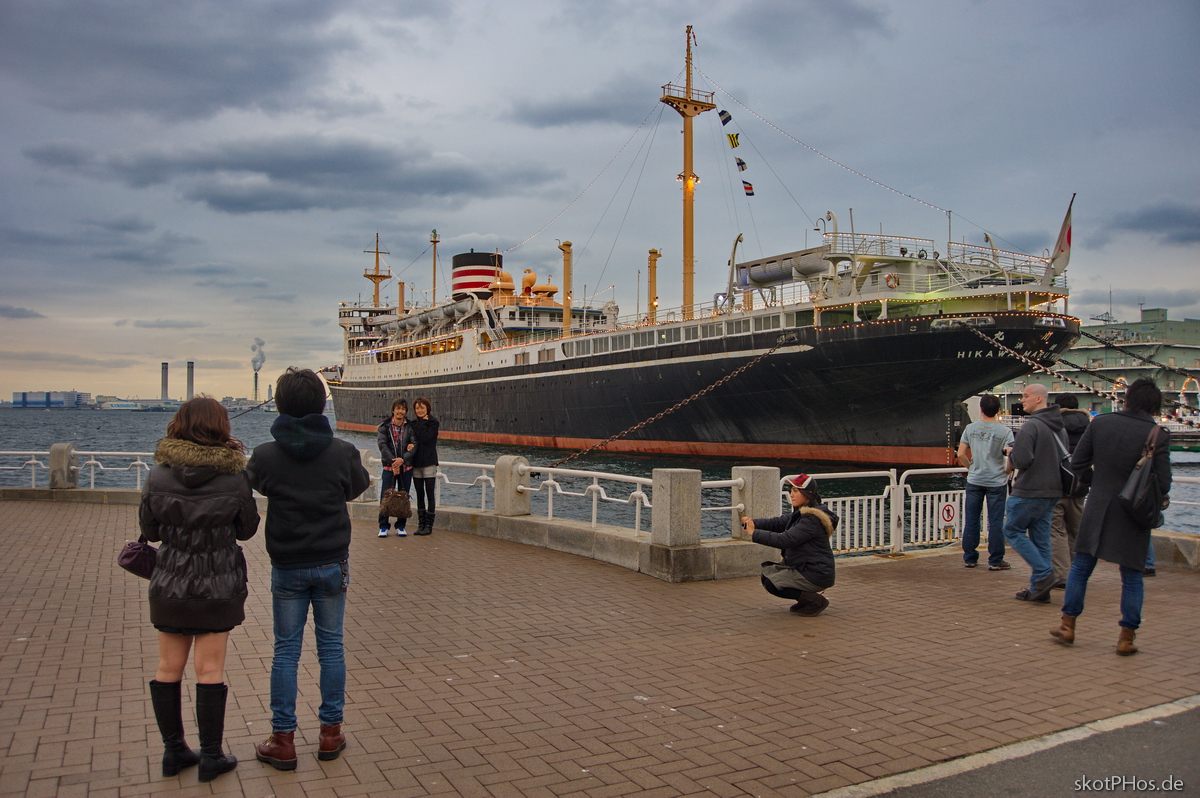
(25, 430)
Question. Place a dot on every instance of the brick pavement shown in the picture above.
(482, 667)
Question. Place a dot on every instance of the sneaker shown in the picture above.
(1000, 566)
(400, 533)
(970, 565)
(1027, 595)
(1149, 572)
(383, 533)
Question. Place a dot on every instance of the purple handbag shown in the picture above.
(138, 557)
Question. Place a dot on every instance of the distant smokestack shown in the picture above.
(256, 386)
(191, 378)
(164, 382)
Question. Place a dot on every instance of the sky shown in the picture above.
(200, 180)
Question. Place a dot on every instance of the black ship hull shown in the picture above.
(884, 392)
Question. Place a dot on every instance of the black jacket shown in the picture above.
(804, 537)
(1105, 456)
(1075, 422)
(197, 501)
(389, 450)
(307, 476)
(425, 431)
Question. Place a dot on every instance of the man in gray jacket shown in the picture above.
(1036, 489)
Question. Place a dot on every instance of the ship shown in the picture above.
(860, 350)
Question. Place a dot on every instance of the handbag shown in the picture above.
(395, 504)
(1142, 496)
(138, 557)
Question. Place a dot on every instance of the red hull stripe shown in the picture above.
(886, 455)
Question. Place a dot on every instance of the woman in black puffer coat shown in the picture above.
(197, 501)
(803, 536)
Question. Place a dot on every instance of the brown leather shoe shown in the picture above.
(1125, 645)
(1065, 633)
(333, 742)
(278, 750)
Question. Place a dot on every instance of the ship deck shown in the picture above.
(556, 675)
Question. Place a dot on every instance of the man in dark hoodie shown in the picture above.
(307, 476)
(1036, 488)
(1065, 520)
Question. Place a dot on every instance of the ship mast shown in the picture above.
(433, 239)
(688, 103)
(377, 276)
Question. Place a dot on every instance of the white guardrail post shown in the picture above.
(758, 496)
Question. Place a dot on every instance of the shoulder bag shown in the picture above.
(138, 557)
(1072, 485)
(395, 504)
(1142, 497)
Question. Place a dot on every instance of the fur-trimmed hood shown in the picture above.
(193, 464)
(822, 514)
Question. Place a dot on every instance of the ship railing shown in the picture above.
(34, 461)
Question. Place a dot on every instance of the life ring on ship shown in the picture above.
(892, 280)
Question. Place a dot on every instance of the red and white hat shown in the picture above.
(804, 483)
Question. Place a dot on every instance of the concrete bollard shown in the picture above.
(509, 500)
(675, 519)
(371, 494)
(62, 466)
(760, 495)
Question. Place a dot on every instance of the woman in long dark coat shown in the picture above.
(197, 501)
(1107, 453)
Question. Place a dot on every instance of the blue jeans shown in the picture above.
(1027, 530)
(292, 591)
(972, 516)
(390, 480)
(1131, 591)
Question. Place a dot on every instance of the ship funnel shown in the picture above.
(473, 272)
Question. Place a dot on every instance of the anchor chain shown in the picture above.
(782, 341)
(1058, 375)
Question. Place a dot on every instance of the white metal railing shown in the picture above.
(899, 515)
(32, 463)
(138, 466)
(637, 497)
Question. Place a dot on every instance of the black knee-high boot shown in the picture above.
(210, 717)
(166, 698)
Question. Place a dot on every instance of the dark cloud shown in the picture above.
(10, 312)
(168, 324)
(120, 322)
(233, 285)
(303, 172)
(125, 223)
(154, 253)
(65, 359)
(184, 59)
(623, 101)
(1171, 222)
(318, 322)
(793, 31)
